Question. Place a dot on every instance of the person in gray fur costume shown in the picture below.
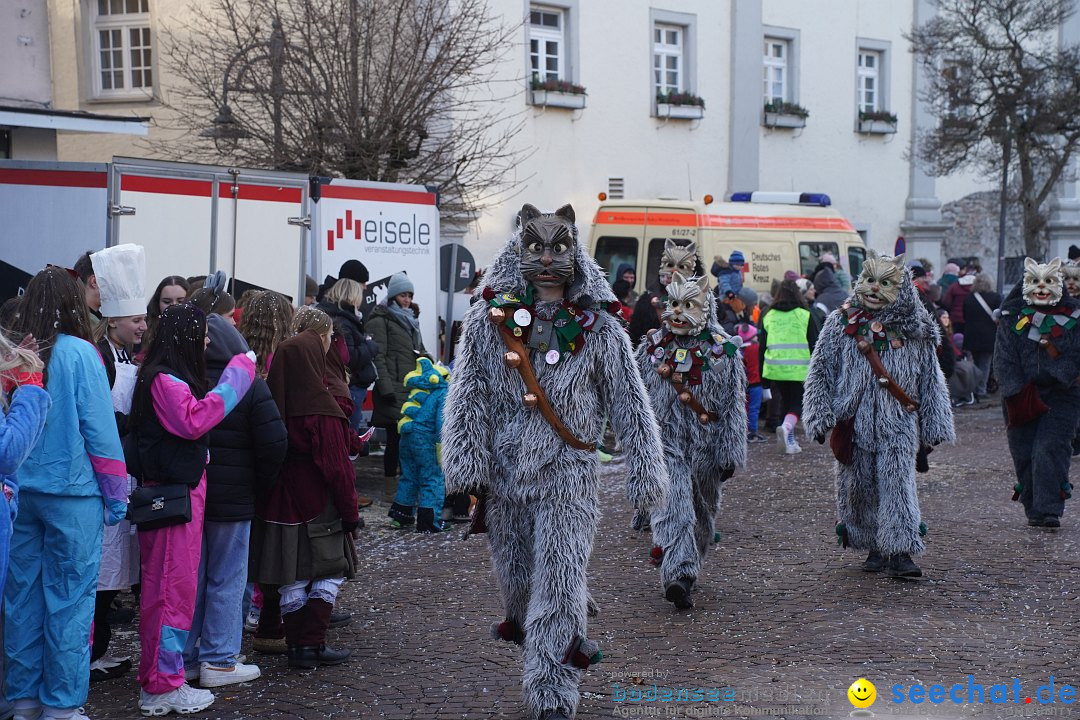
(695, 378)
(1037, 364)
(546, 294)
(875, 437)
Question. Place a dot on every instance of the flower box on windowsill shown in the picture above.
(784, 120)
(877, 127)
(551, 98)
(679, 112)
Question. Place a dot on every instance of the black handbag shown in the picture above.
(157, 506)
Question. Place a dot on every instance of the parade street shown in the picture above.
(785, 621)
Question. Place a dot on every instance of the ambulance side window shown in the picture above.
(652, 263)
(856, 256)
(810, 255)
(614, 251)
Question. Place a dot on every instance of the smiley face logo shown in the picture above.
(862, 693)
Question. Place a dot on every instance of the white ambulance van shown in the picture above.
(774, 231)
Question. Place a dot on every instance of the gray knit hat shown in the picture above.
(399, 283)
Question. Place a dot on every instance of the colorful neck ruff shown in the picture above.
(861, 324)
(1040, 321)
(560, 336)
(688, 360)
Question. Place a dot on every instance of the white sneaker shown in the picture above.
(214, 676)
(184, 700)
(781, 439)
(76, 714)
(791, 445)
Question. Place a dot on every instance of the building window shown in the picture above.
(776, 71)
(122, 53)
(869, 81)
(5, 144)
(547, 43)
(957, 94)
(668, 62)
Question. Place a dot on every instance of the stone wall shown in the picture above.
(974, 231)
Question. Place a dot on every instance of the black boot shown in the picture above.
(401, 515)
(425, 521)
(340, 619)
(874, 562)
(902, 566)
(678, 592)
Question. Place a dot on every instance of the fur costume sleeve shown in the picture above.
(468, 438)
(819, 388)
(1008, 365)
(935, 408)
(631, 416)
(722, 444)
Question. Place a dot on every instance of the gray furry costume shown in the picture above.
(875, 493)
(700, 452)
(1037, 363)
(541, 492)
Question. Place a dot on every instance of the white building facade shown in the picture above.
(845, 64)
(838, 79)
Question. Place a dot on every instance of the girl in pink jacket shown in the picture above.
(172, 412)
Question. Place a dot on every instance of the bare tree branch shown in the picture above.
(995, 74)
(383, 90)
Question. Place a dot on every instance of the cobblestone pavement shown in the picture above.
(784, 617)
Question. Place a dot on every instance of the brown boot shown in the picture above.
(295, 624)
(389, 488)
(310, 650)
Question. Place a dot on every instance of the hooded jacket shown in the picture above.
(248, 446)
(362, 349)
(396, 359)
(829, 292)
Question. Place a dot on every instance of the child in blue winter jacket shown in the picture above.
(421, 484)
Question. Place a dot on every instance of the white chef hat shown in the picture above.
(121, 279)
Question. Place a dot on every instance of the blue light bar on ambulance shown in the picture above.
(784, 198)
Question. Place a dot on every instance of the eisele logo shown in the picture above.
(862, 695)
(380, 230)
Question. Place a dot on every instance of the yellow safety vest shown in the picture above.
(787, 354)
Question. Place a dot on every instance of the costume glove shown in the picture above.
(115, 511)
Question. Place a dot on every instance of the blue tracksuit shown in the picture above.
(56, 543)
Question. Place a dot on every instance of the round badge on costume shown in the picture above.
(875, 326)
(658, 353)
(522, 317)
(552, 357)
